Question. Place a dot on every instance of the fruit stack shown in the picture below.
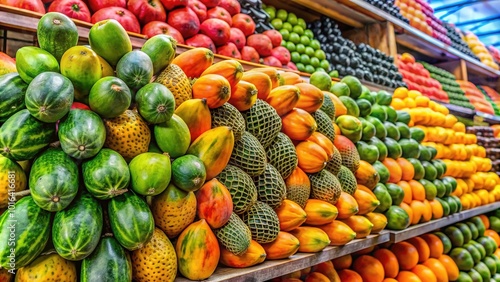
(486, 138)
(255, 9)
(418, 78)
(457, 41)
(389, 7)
(489, 97)
(456, 95)
(476, 97)
(480, 50)
(306, 52)
(495, 53)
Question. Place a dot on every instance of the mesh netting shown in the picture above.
(249, 155)
(241, 186)
(281, 154)
(263, 222)
(263, 122)
(325, 186)
(228, 115)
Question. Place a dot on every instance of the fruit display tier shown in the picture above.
(273, 269)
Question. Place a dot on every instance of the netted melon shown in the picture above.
(281, 154)
(177, 82)
(234, 235)
(263, 222)
(271, 188)
(263, 122)
(241, 186)
(334, 164)
(328, 106)
(325, 186)
(325, 124)
(298, 187)
(228, 115)
(249, 155)
(347, 180)
(348, 152)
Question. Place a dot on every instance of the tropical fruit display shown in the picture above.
(457, 40)
(495, 53)
(389, 7)
(480, 50)
(477, 98)
(487, 138)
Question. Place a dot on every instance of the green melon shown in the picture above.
(188, 173)
(228, 115)
(110, 97)
(173, 137)
(334, 164)
(235, 235)
(155, 103)
(153, 180)
(161, 49)
(56, 33)
(282, 155)
(328, 107)
(12, 92)
(241, 186)
(249, 155)
(271, 188)
(135, 68)
(108, 260)
(263, 122)
(347, 180)
(325, 186)
(325, 124)
(263, 222)
(32, 61)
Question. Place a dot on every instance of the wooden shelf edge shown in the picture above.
(491, 119)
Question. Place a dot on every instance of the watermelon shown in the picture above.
(106, 175)
(77, 229)
(188, 173)
(31, 226)
(56, 33)
(110, 97)
(32, 61)
(135, 68)
(109, 261)
(12, 91)
(155, 103)
(82, 134)
(53, 180)
(131, 220)
(49, 96)
(153, 180)
(22, 136)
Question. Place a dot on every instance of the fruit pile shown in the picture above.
(465, 251)
(457, 41)
(456, 95)
(306, 52)
(495, 53)
(488, 96)
(418, 78)
(486, 138)
(389, 7)
(480, 50)
(476, 97)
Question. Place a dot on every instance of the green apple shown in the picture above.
(288, 26)
(300, 67)
(305, 40)
(271, 11)
(285, 34)
(301, 22)
(305, 59)
(315, 44)
(290, 46)
(277, 23)
(301, 48)
(315, 62)
(320, 54)
(310, 69)
(309, 33)
(295, 56)
(292, 19)
(298, 29)
(294, 37)
(324, 64)
(282, 14)
(309, 51)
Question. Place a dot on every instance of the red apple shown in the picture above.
(210, 3)
(275, 37)
(201, 40)
(31, 5)
(96, 5)
(122, 15)
(272, 61)
(232, 6)
(261, 43)
(171, 4)
(229, 50)
(282, 54)
(147, 10)
(250, 54)
(237, 37)
(221, 14)
(199, 8)
(184, 20)
(156, 27)
(245, 23)
(291, 66)
(75, 9)
(218, 30)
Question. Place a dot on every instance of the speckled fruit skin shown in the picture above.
(156, 261)
(173, 210)
(214, 203)
(48, 268)
(108, 260)
(11, 176)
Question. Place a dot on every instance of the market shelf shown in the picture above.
(272, 269)
(419, 229)
(491, 119)
(458, 111)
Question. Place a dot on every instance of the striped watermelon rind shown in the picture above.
(12, 92)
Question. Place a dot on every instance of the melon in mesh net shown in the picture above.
(235, 235)
(282, 155)
(263, 122)
(347, 180)
(325, 124)
(271, 188)
(325, 186)
(298, 187)
(328, 106)
(228, 115)
(249, 155)
(241, 186)
(334, 164)
(263, 222)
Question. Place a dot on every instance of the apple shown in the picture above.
(218, 30)
(201, 40)
(96, 5)
(282, 54)
(185, 21)
(210, 3)
(75, 9)
(291, 66)
(237, 37)
(221, 14)
(272, 61)
(147, 10)
(232, 6)
(31, 5)
(261, 43)
(229, 50)
(199, 8)
(122, 15)
(250, 54)
(245, 23)
(275, 37)
(171, 4)
(156, 27)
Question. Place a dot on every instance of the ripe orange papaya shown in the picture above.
(261, 81)
(284, 246)
(213, 87)
(272, 73)
(338, 232)
(196, 115)
(367, 175)
(316, 277)
(324, 142)
(378, 220)
(214, 203)
(291, 78)
(311, 97)
(359, 224)
(232, 70)
(311, 156)
(346, 205)
(290, 215)
(194, 61)
(312, 239)
(327, 269)
(243, 96)
(283, 98)
(367, 202)
(254, 255)
(320, 212)
(298, 124)
(298, 187)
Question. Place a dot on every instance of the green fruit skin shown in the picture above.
(382, 171)
(367, 152)
(32, 61)
(12, 93)
(397, 218)
(188, 173)
(393, 149)
(135, 68)
(109, 40)
(396, 192)
(155, 103)
(108, 263)
(321, 80)
(350, 127)
(382, 149)
(53, 180)
(49, 96)
(384, 198)
(22, 136)
(153, 180)
(110, 97)
(380, 130)
(106, 175)
(131, 220)
(76, 230)
(173, 136)
(161, 49)
(462, 258)
(368, 130)
(56, 33)
(32, 230)
(82, 134)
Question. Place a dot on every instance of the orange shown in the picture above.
(450, 266)
(406, 253)
(408, 171)
(427, 212)
(409, 102)
(407, 276)
(369, 268)
(395, 171)
(438, 269)
(342, 262)
(406, 207)
(459, 127)
(424, 273)
(493, 234)
(485, 220)
(437, 209)
(398, 103)
(407, 190)
(389, 261)
(400, 92)
(435, 244)
(417, 190)
(418, 208)
(414, 93)
(422, 101)
(348, 275)
(422, 248)
(390, 280)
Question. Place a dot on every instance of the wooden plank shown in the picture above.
(391, 42)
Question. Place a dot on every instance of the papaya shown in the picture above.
(284, 246)
(232, 70)
(243, 95)
(338, 232)
(346, 205)
(290, 215)
(283, 98)
(312, 239)
(261, 81)
(311, 97)
(214, 88)
(327, 269)
(359, 224)
(320, 212)
(291, 78)
(196, 114)
(316, 277)
(214, 203)
(378, 220)
(367, 201)
(46, 268)
(324, 142)
(298, 124)
(311, 157)
(195, 61)
(254, 255)
(272, 73)
(367, 175)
